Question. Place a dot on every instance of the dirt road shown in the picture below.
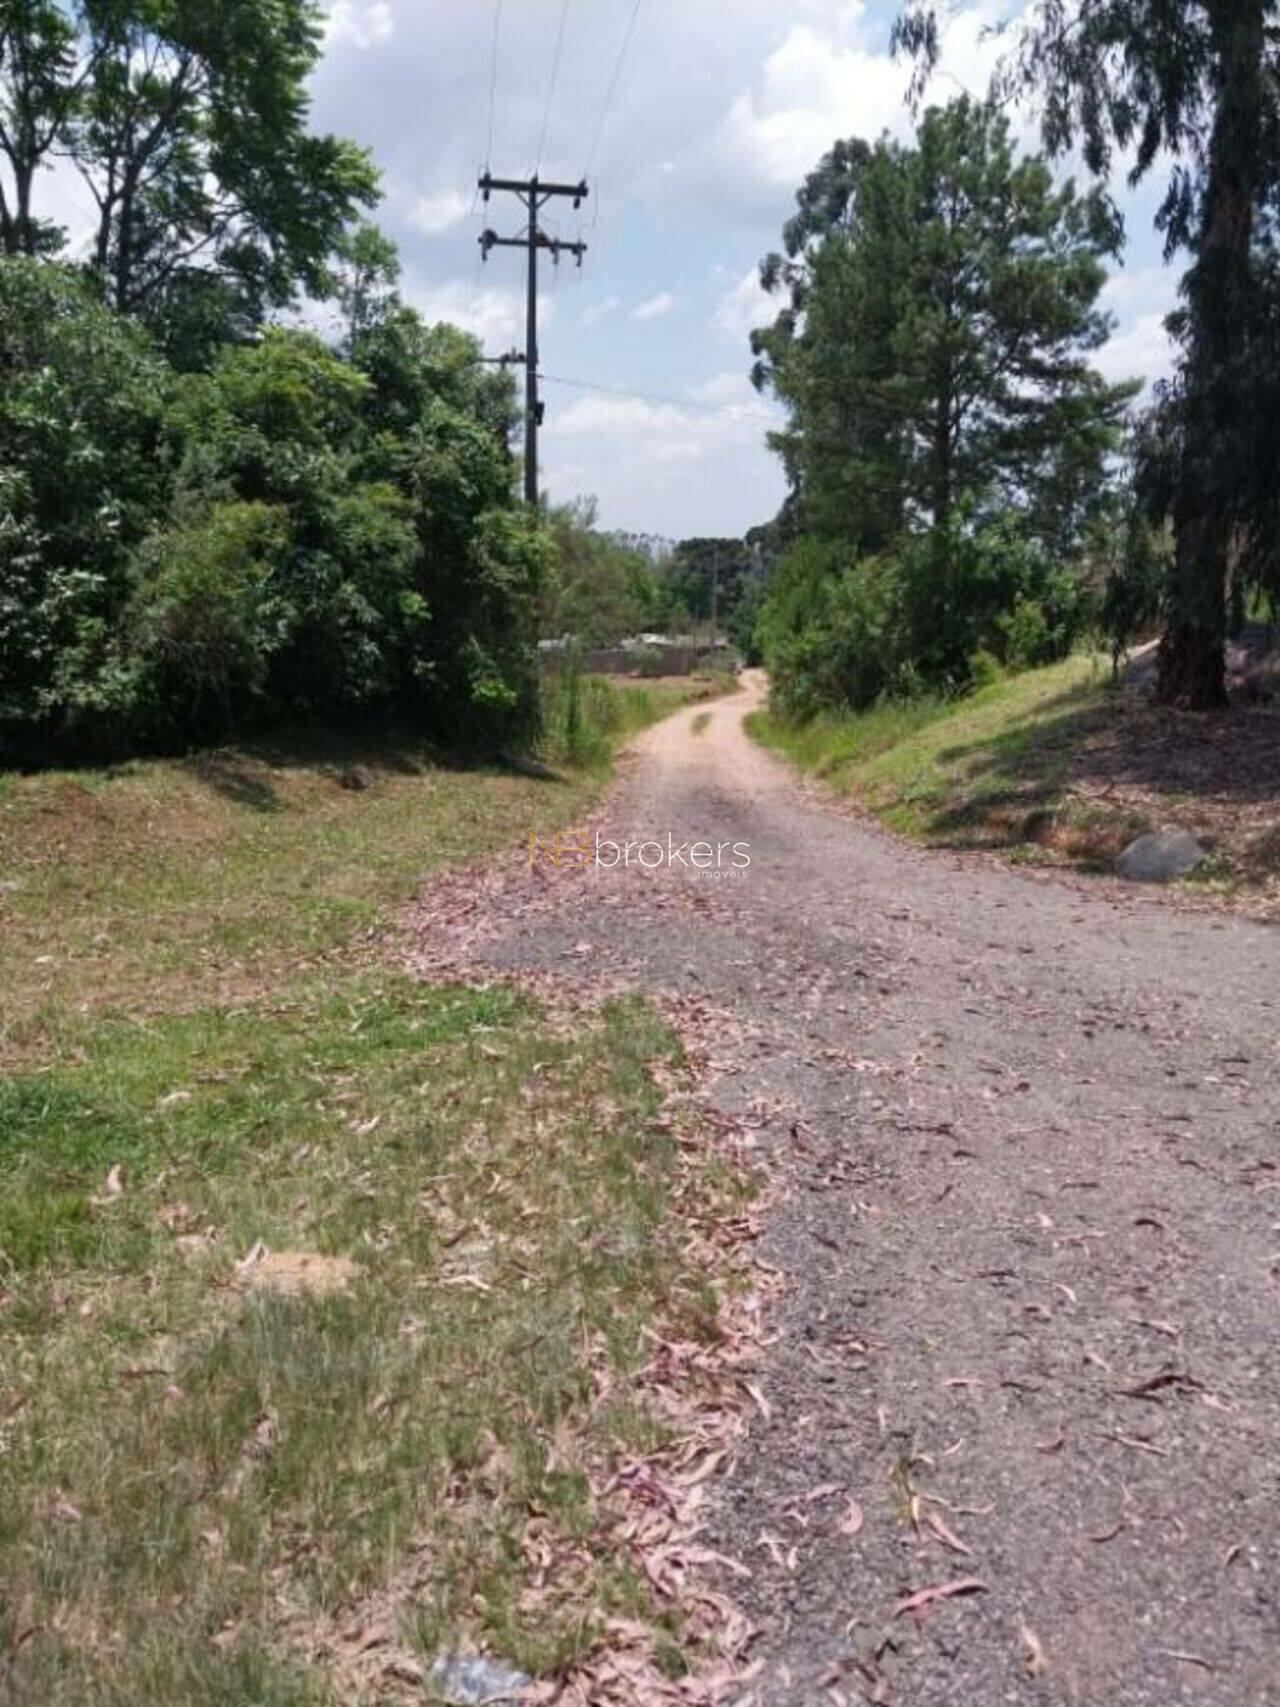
(1030, 1233)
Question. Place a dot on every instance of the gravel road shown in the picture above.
(1027, 1130)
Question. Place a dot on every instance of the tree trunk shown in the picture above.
(1219, 289)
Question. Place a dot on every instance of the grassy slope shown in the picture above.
(196, 1475)
(1053, 766)
(929, 767)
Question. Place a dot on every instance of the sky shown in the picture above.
(694, 143)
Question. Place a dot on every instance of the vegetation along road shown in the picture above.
(1015, 1429)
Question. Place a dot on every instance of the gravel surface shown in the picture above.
(1026, 1130)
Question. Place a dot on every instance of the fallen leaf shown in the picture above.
(1138, 1445)
(1110, 1534)
(853, 1519)
(763, 1405)
(252, 1256)
(1034, 1658)
(1188, 1659)
(939, 1591)
(947, 1536)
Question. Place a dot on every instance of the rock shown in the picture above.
(1162, 855)
(471, 1680)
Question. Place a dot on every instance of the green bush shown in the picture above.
(204, 622)
(829, 629)
(840, 633)
(181, 555)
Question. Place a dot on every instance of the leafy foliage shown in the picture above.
(83, 400)
(600, 590)
(186, 555)
(841, 631)
(188, 123)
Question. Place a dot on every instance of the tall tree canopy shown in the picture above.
(187, 119)
(941, 312)
(1194, 82)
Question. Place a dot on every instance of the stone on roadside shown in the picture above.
(1160, 856)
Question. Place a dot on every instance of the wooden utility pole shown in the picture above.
(535, 195)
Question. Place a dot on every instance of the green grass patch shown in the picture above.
(168, 883)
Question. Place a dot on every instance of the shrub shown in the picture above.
(204, 624)
(82, 402)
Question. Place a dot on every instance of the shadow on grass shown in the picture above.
(1149, 756)
(353, 760)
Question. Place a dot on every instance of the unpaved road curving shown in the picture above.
(1029, 1132)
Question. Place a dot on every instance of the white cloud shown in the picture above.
(682, 466)
(440, 212)
(360, 23)
(824, 81)
(493, 314)
(1143, 350)
(655, 307)
(728, 390)
(600, 311)
(744, 307)
(1140, 300)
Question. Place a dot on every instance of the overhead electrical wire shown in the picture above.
(726, 410)
(556, 56)
(493, 81)
(611, 89)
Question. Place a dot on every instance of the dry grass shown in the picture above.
(202, 1477)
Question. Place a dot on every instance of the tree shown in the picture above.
(598, 589)
(187, 120)
(935, 346)
(706, 571)
(83, 479)
(366, 272)
(1195, 82)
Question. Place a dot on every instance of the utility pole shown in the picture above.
(715, 594)
(534, 195)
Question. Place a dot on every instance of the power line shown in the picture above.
(728, 411)
(551, 86)
(493, 79)
(612, 88)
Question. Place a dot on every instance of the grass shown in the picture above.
(209, 1478)
(161, 883)
(586, 715)
(1056, 766)
(937, 769)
